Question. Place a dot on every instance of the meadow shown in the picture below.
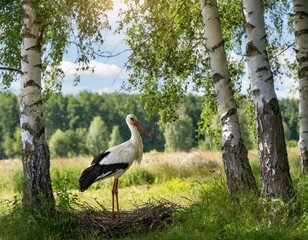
(194, 180)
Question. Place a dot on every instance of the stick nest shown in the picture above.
(154, 214)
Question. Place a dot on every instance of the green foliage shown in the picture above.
(10, 40)
(178, 134)
(115, 137)
(98, 136)
(209, 124)
(167, 52)
(69, 143)
(57, 144)
(290, 113)
(140, 177)
(64, 180)
(291, 143)
(9, 121)
(251, 122)
(11, 146)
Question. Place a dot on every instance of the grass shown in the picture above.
(195, 180)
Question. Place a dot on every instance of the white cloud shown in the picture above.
(101, 69)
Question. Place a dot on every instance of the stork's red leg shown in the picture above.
(117, 199)
(115, 193)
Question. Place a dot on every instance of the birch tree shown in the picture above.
(301, 48)
(47, 28)
(35, 154)
(234, 153)
(274, 167)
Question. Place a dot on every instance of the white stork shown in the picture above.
(115, 161)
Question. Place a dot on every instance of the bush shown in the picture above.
(292, 143)
(65, 180)
(138, 177)
(69, 143)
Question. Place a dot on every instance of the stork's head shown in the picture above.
(131, 120)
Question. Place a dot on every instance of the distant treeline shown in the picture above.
(90, 122)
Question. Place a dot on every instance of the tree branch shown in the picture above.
(108, 54)
(11, 69)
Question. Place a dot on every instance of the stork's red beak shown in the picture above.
(139, 126)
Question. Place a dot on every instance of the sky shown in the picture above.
(110, 75)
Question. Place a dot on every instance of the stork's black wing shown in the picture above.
(99, 171)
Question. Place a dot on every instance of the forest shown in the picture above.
(68, 120)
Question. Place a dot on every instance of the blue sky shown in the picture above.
(109, 75)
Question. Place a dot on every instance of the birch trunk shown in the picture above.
(274, 167)
(239, 175)
(301, 46)
(37, 191)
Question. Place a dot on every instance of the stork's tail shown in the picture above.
(89, 176)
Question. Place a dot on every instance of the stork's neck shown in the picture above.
(137, 141)
(135, 135)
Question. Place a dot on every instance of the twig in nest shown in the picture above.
(151, 215)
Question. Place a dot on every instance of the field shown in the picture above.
(193, 180)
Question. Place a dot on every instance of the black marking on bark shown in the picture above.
(27, 127)
(255, 92)
(31, 83)
(302, 72)
(304, 160)
(38, 66)
(273, 106)
(301, 14)
(264, 68)
(303, 59)
(301, 32)
(28, 34)
(217, 77)
(37, 103)
(264, 37)
(251, 49)
(41, 132)
(35, 47)
(25, 59)
(270, 78)
(217, 46)
(229, 113)
(249, 26)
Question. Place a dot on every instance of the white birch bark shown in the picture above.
(37, 192)
(238, 171)
(274, 167)
(301, 48)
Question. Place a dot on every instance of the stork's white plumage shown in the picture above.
(116, 160)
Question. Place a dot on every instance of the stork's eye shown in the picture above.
(132, 119)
